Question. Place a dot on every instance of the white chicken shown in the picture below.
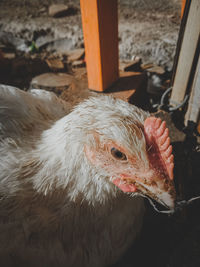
(70, 184)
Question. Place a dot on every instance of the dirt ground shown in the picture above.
(148, 29)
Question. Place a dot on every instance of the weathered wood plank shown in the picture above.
(193, 111)
(187, 52)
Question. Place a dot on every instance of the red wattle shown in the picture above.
(123, 186)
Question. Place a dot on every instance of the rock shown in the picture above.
(78, 64)
(61, 10)
(156, 69)
(8, 55)
(62, 46)
(147, 66)
(56, 82)
(150, 67)
(55, 64)
(134, 65)
(10, 41)
(76, 54)
(42, 10)
(58, 10)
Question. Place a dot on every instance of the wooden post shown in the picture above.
(193, 111)
(183, 7)
(100, 29)
(187, 53)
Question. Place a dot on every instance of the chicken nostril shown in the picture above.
(166, 182)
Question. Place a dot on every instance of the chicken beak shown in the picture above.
(159, 189)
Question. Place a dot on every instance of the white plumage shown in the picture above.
(59, 205)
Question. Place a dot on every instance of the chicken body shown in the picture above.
(55, 208)
(59, 204)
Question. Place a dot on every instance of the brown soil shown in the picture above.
(146, 28)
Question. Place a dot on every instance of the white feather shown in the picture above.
(56, 209)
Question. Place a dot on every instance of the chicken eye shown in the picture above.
(117, 154)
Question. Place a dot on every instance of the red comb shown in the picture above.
(157, 136)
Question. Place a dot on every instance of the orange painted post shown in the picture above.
(183, 7)
(100, 29)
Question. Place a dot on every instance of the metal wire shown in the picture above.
(179, 204)
(170, 108)
(163, 96)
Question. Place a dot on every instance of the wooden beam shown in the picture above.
(187, 52)
(180, 37)
(100, 29)
(193, 111)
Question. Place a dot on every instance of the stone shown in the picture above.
(9, 40)
(147, 66)
(152, 68)
(42, 10)
(76, 54)
(156, 69)
(134, 65)
(58, 10)
(8, 55)
(78, 64)
(55, 64)
(56, 82)
(61, 10)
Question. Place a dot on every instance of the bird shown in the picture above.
(72, 180)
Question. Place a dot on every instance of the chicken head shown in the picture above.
(145, 167)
